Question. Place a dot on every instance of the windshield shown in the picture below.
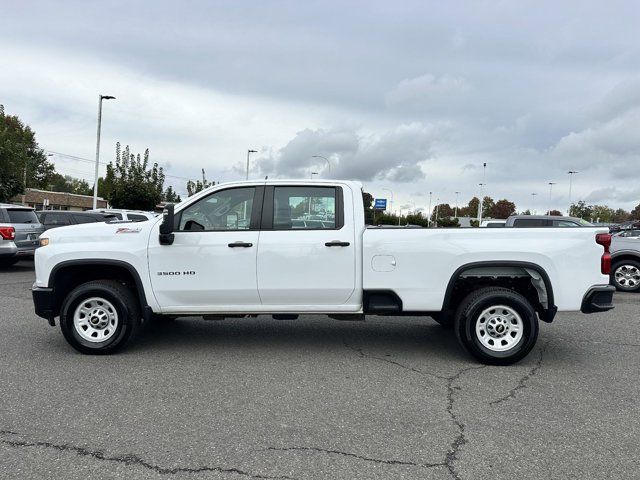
(22, 215)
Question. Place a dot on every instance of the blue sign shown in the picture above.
(380, 204)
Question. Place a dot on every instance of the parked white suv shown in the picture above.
(240, 249)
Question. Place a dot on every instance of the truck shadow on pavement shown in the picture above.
(317, 333)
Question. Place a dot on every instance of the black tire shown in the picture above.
(123, 300)
(621, 287)
(468, 314)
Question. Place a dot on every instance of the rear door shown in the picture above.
(27, 226)
(307, 250)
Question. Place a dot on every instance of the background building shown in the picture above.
(44, 199)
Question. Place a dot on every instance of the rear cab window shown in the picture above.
(136, 217)
(21, 215)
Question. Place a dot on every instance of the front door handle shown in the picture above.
(337, 243)
(240, 244)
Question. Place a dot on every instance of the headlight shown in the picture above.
(44, 242)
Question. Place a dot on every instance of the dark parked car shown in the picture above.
(60, 218)
(19, 232)
(532, 221)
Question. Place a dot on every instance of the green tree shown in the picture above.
(171, 196)
(503, 209)
(581, 210)
(635, 213)
(20, 157)
(602, 213)
(471, 210)
(487, 206)
(132, 183)
(555, 213)
(620, 215)
(198, 186)
(66, 183)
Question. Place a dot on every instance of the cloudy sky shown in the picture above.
(412, 96)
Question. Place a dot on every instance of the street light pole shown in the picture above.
(429, 216)
(312, 174)
(325, 159)
(437, 210)
(95, 179)
(533, 199)
(249, 152)
(456, 212)
(484, 178)
(570, 172)
(551, 184)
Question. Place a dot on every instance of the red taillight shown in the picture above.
(604, 239)
(7, 233)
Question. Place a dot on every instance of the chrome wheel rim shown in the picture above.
(627, 276)
(499, 328)
(95, 319)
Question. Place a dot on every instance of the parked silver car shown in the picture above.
(625, 260)
(19, 232)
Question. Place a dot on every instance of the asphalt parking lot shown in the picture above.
(317, 398)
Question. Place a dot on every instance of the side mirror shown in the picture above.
(167, 226)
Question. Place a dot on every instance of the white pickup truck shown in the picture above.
(285, 248)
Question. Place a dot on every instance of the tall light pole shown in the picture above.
(551, 184)
(391, 202)
(570, 172)
(95, 182)
(325, 159)
(480, 203)
(533, 200)
(484, 177)
(456, 212)
(437, 210)
(429, 216)
(312, 174)
(249, 152)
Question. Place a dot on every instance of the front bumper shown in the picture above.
(44, 303)
(598, 298)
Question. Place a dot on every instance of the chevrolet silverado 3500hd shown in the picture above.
(285, 248)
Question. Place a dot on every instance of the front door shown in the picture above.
(211, 265)
(307, 251)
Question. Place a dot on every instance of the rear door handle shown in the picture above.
(240, 244)
(337, 243)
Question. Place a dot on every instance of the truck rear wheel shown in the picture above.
(496, 325)
(100, 317)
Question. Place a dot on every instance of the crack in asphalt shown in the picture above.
(522, 383)
(360, 457)
(460, 439)
(130, 459)
(362, 354)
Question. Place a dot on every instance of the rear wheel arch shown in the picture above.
(504, 274)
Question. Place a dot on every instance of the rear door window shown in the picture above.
(304, 208)
(564, 223)
(20, 215)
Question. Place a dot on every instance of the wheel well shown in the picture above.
(625, 257)
(66, 277)
(528, 280)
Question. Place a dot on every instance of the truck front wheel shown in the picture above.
(496, 325)
(100, 317)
